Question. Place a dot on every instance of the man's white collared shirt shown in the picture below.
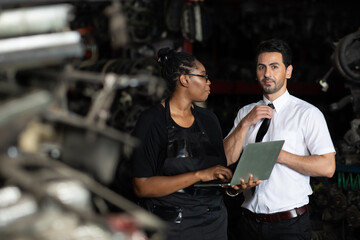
(304, 129)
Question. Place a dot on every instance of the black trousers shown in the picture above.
(292, 229)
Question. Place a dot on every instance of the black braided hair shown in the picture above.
(173, 64)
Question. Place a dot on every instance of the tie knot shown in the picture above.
(271, 105)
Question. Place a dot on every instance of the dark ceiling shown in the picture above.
(310, 27)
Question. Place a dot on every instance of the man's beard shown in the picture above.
(269, 89)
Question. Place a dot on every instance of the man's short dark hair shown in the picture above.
(276, 45)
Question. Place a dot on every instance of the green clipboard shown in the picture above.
(257, 159)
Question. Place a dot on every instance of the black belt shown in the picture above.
(275, 217)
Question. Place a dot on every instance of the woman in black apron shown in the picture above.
(182, 145)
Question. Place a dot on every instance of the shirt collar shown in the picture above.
(279, 102)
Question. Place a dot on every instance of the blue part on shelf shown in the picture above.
(347, 168)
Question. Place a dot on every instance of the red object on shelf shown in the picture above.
(127, 225)
(235, 87)
(188, 46)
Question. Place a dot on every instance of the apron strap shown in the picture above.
(197, 119)
(167, 114)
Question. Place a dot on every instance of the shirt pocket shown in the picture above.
(290, 137)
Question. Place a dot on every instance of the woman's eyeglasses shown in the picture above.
(198, 75)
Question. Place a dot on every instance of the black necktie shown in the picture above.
(264, 127)
(261, 133)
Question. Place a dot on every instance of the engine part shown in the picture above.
(173, 14)
(347, 57)
(39, 50)
(353, 216)
(117, 25)
(15, 114)
(35, 20)
(31, 173)
(195, 22)
(69, 192)
(15, 205)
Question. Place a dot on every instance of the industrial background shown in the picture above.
(75, 75)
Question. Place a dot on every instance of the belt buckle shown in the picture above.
(293, 213)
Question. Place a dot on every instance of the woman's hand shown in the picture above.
(216, 172)
(159, 186)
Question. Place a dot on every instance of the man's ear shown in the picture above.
(183, 80)
(289, 72)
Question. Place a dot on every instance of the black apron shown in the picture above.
(191, 213)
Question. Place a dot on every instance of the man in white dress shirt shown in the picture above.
(278, 207)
